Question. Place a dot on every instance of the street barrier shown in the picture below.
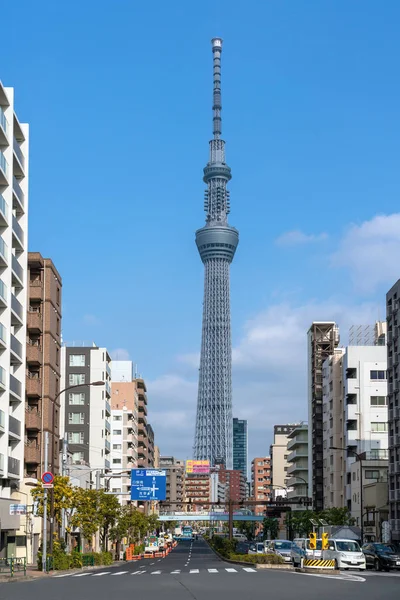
(318, 563)
(11, 566)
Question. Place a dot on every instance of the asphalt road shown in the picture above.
(193, 572)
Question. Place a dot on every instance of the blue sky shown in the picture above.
(118, 97)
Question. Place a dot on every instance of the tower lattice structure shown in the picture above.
(216, 242)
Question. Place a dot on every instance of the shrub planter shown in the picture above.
(272, 566)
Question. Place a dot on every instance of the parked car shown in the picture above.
(381, 556)
(305, 544)
(347, 554)
(257, 548)
(297, 555)
(283, 548)
(243, 547)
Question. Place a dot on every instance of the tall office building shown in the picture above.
(240, 446)
(175, 471)
(14, 167)
(323, 338)
(393, 362)
(279, 458)
(43, 370)
(86, 410)
(216, 243)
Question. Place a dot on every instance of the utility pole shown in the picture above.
(230, 519)
(64, 474)
(46, 457)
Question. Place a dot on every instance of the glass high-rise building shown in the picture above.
(240, 443)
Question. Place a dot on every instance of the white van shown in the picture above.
(240, 537)
(304, 543)
(347, 554)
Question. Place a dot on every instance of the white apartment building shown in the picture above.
(365, 410)
(14, 163)
(279, 459)
(297, 447)
(124, 428)
(86, 409)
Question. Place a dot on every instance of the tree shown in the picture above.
(245, 527)
(86, 513)
(63, 495)
(108, 510)
(337, 516)
(270, 526)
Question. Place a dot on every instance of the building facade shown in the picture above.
(43, 366)
(86, 409)
(197, 490)
(279, 459)
(323, 338)
(234, 483)
(297, 460)
(123, 451)
(175, 470)
(393, 358)
(240, 446)
(261, 482)
(333, 430)
(374, 479)
(14, 173)
(216, 242)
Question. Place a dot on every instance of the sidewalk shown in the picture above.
(33, 572)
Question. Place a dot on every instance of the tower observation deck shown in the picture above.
(216, 242)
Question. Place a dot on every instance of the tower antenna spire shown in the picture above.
(217, 106)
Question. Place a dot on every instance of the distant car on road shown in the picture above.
(297, 555)
(283, 548)
(381, 556)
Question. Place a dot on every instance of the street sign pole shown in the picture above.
(44, 556)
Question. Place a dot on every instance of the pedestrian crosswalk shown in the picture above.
(150, 571)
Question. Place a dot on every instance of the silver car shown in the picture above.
(283, 548)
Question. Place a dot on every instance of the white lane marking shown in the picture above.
(175, 572)
(100, 574)
(249, 570)
(375, 574)
(194, 571)
(65, 575)
(353, 578)
(156, 573)
(231, 570)
(81, 574)
(212, 570)
(159, 560)
(152, 563)
(120, 573)
(138, 573)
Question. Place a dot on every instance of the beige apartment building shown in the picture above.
(298, 465)
(175, 471)
(279, 459)
(43, 348)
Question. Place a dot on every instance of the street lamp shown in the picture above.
(358, 456)
(44, 557)
(306, 484)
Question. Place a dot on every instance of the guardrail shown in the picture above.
(11, 566)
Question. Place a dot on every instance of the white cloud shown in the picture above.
(269, 375)
(120, 354)
(371, 252)
(297, 237)
(191, 359)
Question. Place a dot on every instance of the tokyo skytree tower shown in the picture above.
(216, 243)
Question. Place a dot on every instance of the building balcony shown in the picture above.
(33, 418)
(16, 353)
(3, 337)
(296, 454)
(107, 426)
(3, 253)
(108, 409)
(15, 387)
(108, 389)
(14, 427)
(352, 412)
(4, 128)
(3, 294)
(13, 467)
(34, 354)
(17, 312)
(18, 235)
(2, 421)
(107, 463)
(3, 379)
(107, 446)
(3, 212)
(33, 386)
(19, 159)
(4, 169)
(18, 197)
(108, 370)
(32, 451)
(17, 273)
(1, 464)
(35, 321)
(36, 289)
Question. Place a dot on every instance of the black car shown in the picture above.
(381, 556)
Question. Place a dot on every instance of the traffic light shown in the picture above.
(325, 542)
(313, 541)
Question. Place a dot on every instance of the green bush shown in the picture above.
(260, 559)
(223, 545)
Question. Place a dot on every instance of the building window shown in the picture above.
(116, 461)
(76, 398)
(76, 437)
(77, 457)
(76, 418)
(117, 418)
(371, 474)
(20, 541)
(378, 401)
(76, 360)
(116, 490)
(76, 379)
(117, 446)
(117, 432)
(379, 427)
(378, 375)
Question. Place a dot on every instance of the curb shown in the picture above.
(316, 571)
(244, 563)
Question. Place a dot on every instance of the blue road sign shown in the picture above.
(148, 484)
